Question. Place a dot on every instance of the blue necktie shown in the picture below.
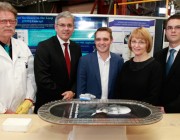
(170, 60)
(7, 49)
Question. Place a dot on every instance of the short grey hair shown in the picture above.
(64, 14)
(5, 6)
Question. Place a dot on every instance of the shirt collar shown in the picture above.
(176, 48)
(2, 44)
(107, 59)
(62, 41)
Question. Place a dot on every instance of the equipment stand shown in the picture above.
(98, 133)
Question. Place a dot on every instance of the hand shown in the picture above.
(24, 107)
(68, 95)
(9, 112)
(161, 109)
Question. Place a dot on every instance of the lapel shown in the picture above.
(162, 60)
(111, 71)
(3, 53)
(164, 56)
(58, 50)
(174, 65)
(58, 47)
(16, 50)
(95, 67)
(73, 57)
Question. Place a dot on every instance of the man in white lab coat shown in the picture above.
(17, 84)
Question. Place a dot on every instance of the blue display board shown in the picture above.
(35, 28)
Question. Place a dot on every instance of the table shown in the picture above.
(166, 129)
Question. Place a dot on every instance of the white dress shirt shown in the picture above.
(62, 45)
(104, 75)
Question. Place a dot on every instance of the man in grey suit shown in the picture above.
(97, 72)
(170, 60)
(54, 74)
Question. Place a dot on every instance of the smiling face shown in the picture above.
(103, 42)
(7, 25)
(64, 28)
(140, 41)
(138, 46)
(173, 32)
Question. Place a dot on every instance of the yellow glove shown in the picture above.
(24, 107)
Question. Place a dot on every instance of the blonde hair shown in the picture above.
(141, 33)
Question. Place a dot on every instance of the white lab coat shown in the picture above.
(17, 80)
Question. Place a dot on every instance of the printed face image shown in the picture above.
(103, 110)
(96, 112)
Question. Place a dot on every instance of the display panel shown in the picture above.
(35, 28)
(122, 28)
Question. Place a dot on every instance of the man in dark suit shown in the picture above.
(56, 62)
(97, 72)
(170, 59)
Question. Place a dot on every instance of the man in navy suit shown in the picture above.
(170, 97)
(55, 77)
(97, 72)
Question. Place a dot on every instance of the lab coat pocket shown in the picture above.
(21, 66)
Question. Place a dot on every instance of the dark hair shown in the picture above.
(107, 29)
(175, 16)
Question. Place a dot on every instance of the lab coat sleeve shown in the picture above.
(2, 109)
(31, 85)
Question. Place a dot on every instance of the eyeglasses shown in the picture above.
(139, 43)
(10, 21)
(170, 28)
(64, 25)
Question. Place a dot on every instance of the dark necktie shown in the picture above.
(170, 60)
(7, 49)
(67, 58)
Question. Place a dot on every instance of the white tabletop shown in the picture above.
(166, 129)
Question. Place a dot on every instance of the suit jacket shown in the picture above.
(88, 76)
(51, 73)
(170, 96)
